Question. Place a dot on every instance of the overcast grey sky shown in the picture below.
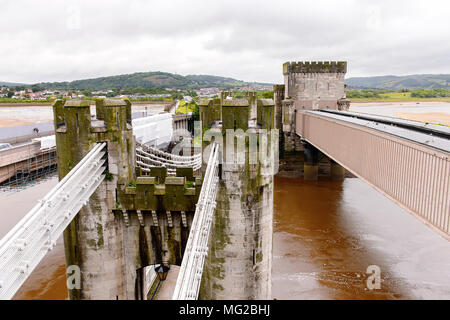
(44, 40)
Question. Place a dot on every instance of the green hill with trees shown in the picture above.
(411, 82)
(10, 84)
(150, 80)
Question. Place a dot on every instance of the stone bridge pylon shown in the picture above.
(133, 219)
(137, 218)
(239, 262)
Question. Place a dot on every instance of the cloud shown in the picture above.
(65, 40)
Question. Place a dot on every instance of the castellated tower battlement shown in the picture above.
(234, 113)
(315, 67)
(315, 85)
(308, 85)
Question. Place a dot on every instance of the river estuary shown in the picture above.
(326, 235)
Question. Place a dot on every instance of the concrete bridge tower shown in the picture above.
(239, 263)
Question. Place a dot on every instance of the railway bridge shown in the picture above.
(407, 161)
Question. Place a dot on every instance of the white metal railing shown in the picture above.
(190, 275)
(27, 243)
(147, 157)
(168, 155)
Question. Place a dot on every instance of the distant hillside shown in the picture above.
(10, 84)
(149, 80)
(412, 82)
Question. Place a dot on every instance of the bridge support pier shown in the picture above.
(337, 172)
(239, 262)
(93, 240)
(311, 162)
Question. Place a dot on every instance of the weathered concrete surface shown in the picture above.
(19, 153)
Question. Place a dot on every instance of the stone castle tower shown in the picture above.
(307, 86)
(239, 262)
(90, 240)
(132, 220)
(315, 85)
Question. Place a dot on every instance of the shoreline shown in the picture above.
(354, 103)
(37, 104)
(398, 103)
(49, 104)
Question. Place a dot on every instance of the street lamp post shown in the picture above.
(162, 271)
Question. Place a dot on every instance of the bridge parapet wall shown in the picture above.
(235, 114)
(266, 114)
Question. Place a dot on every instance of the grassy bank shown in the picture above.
(185, 107)
(395, 97)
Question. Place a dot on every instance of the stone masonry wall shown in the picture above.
(128, 223)
(90, 240)
(318, 87)
(239, 262)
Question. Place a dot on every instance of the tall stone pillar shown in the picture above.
(252, 97)
(239, 263)
(311, 162)
(92, 240)
(278, 97)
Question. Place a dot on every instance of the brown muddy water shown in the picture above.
(326, 234)
(47, 282)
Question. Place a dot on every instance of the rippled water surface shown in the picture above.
(48, 280)
(327, 233)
